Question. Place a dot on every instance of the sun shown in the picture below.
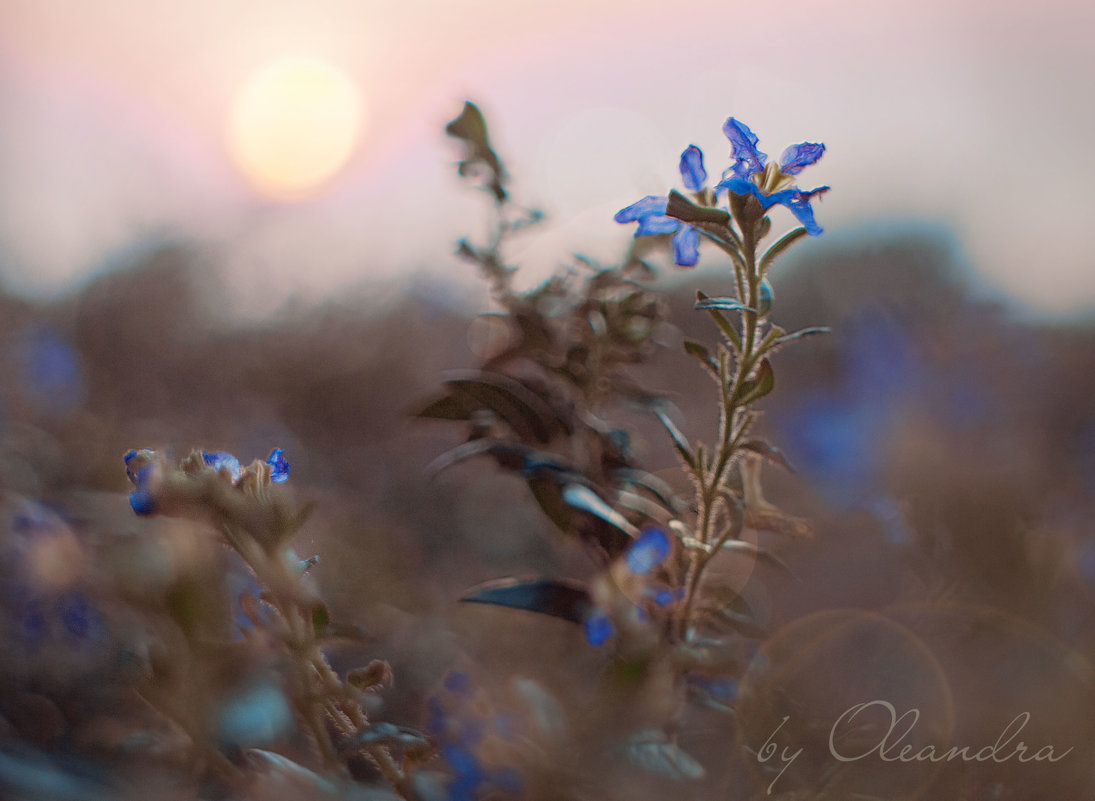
(293, 126)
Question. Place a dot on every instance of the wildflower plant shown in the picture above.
(540, 407)
(286, 626)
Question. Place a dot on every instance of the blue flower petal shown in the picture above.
(799, 203)
(142, 502)
(686, 246)
(739, 186)
(797, 157)
(598, 627)
(658, 224)
(651, 204)
(692, 172)
(220, 459)
(744, 143)
(649, 213)
(665, 596)
(279, 466)
(648, 551)
(794, 199)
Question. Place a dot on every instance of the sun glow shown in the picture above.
(293, 126)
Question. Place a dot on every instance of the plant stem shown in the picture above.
(733, 423)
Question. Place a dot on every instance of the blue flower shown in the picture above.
(279, 466)
(650, 214)
(220, 460)
(598, 627)
(141, 499)
(648, 551)
(749, 163)
(459, 723)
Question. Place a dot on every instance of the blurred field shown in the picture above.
(945, 450)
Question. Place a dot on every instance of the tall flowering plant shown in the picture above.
(541, 407)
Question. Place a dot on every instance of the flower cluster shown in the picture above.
(461, 726)
(630, 575)
(146, 471)
(750, 176)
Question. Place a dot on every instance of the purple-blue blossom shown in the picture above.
(279, 466)
(650, 214)
(750, 162)
(141, 499)
(219, 460)
(648, 551)
(598, 627)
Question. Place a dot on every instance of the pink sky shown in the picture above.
(971, 114)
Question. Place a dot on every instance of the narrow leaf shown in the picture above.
(652, 751)
(759, 386)
(701, 352)
(582, 497)
(657, 486)
(805, 332)
(644, 506)
(727, 327)
(723, 304)
(769, 452)
(526, 413)
(758, 553)
(510, 453)
(562, 599)
(679, 441)
(781, 245)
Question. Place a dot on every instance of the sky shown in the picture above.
(969, 115)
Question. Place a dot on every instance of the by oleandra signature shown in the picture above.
(889, 746)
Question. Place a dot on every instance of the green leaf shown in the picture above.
(725, 325)
(764, 301)
(681, 208)
(701, 352)
(769, 452)
(679, 441)
(758, 386)
(805, 332)
(567, 600)
(723, 304)
(781, 245)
